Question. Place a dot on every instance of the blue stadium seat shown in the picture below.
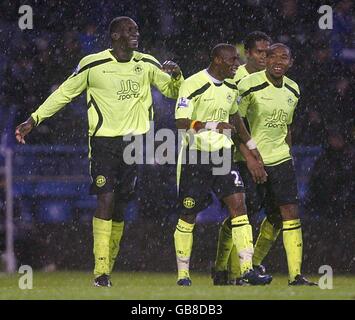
(54, 211)
(24, 189)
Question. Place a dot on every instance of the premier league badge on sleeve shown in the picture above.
(239, 99)
(183, 103)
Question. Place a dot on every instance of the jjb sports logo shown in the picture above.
(128, 89)
(278, 119)
(183, 103)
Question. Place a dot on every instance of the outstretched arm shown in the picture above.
(167, 79)
(24, 129)
(67, 91)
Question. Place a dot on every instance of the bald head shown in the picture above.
(118, 22)
(124, 34)
(224, 61)
(275, 46)
(220, 50)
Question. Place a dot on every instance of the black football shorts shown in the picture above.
(279, 189)
(109, 172)
(197, 181)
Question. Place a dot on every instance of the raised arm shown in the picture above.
(67, 91)
(167, 78)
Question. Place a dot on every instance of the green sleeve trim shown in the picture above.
(99, 114)
(35, 118)
(94, 64)
(199, 91)
(229, 85)
(158, 65)
(256, 88)
(293, 90)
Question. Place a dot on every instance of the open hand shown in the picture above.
(23, 129)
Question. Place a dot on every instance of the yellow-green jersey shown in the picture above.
(118, 93)
(203, 100)
(241, 73)
(269, 110)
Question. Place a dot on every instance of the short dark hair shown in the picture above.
(277, 45)
(217, 50)
(116, 23)
(251, 39)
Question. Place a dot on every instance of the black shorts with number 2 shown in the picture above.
(197, 181)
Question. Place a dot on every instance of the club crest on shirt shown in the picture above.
(138, 69)
(290, 101)
(183, 103)
(229, 98)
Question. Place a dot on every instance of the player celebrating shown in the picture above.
(207, 102)
(256, 45)
(119, 100)
(268, 100)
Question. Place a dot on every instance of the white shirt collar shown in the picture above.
(214, 80)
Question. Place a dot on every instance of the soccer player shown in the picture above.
(256, 45)
(268, 99)
(117, 82)
(205, 106)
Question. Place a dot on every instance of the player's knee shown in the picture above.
(119, 210)
(236, 204)
(189, 218)
(237, 209)
(289, 212)
(118, 216)
(105, 203)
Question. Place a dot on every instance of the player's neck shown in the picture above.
(250, 68)
(277, 82)
(122, 54)
(214, 73)
(213, 79)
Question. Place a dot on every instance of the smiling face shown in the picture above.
(228, 62)
(278, 61)
(126, 34)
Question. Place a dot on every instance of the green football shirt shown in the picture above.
(118, 93)
(241, 73)
(203, 100)
(269, 110)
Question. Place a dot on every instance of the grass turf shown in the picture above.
(162, 286)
